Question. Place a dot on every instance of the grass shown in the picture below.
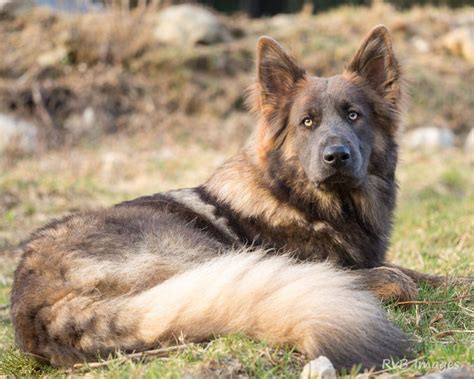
(174, 104)
(434, 232)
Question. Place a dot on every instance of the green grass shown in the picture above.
(434, 232)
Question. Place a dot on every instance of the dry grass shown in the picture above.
(433, 232)
(110, 63)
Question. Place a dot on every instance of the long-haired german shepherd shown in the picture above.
(285, 242)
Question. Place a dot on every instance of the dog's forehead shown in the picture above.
(334, 89)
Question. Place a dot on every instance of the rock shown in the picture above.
(15, 7)
(189, 25)
(429, 137)
(452, 373)
(53, 57)
(17, 134)
(112, 163)
(469, 143)
(284, 23)
(89, 123)
(319, 368)
(463, 19)
(420, 44)
(461, 42)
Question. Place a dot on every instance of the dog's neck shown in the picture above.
(242, 185)
(250, 190)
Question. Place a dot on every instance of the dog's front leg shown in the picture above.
(388, 283)
(420, 277)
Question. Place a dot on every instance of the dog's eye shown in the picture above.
(352, 116)
(307, 122)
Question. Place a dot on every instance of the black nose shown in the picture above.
(336, 155)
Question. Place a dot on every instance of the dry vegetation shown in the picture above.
(165, 117)
(110, 63)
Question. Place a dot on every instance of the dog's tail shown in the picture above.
(312, 306)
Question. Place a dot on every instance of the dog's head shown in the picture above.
(333, 131)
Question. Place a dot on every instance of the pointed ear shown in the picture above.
(277, 72)
(376, 63)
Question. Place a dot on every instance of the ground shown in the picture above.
(165, 120)
(434, 232)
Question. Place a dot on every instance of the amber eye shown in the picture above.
(352, 116)
(308, 122)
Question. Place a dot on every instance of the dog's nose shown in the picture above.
(336, 155)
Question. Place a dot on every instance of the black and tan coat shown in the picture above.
(279, 243)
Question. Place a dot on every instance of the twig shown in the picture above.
(266, 352)
(5, 280)
(157, 352)
(38, 357)
(51, 128)
(468, 311)
(417, 314)
(39, 103)
(467, 298)
(462, 240)
(3, 308)
(452, 331)
(132, 356)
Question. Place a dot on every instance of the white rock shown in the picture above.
(18, 134)
(465, 18)
(89, 116)
(319, 368)
(429, 137)
(420, 44)
(283, 22)
(469, 143)
(189, 25)
(52, 57)
(14, 7)
(111, 164)
(461, 42)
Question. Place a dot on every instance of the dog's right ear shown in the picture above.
(277, 72)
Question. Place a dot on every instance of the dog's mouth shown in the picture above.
(339, 181)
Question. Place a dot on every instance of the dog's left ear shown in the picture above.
(376, 63)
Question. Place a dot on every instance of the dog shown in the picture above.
(285, 242)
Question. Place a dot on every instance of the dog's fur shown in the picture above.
(276, 244)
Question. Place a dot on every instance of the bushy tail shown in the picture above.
(315, 307)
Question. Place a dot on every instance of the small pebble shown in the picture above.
(319, 368)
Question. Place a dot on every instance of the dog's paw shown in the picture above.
(389, 283)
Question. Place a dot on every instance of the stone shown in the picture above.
(189, 25)
(15, 7)
(319, 368)
(429, 137)
(112, 163)
(420, 44)
(17, 134)
(469, 142)
(466, 18)
(53, 57)
(452, 373)
(461, 42)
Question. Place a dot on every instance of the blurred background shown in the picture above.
(101, 101)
